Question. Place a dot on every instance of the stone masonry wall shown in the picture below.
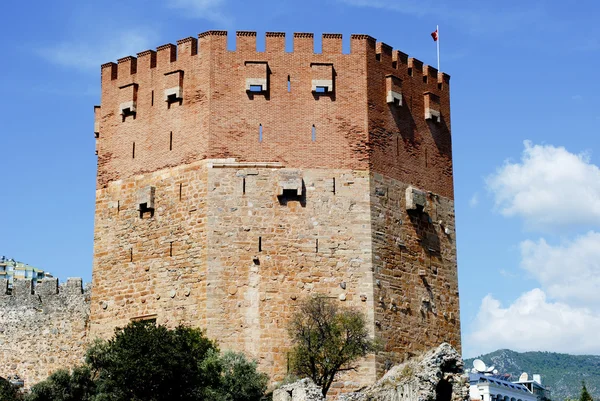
(415, 272)
(197, 260)
(44, 330)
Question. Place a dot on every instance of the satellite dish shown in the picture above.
(490, 369)
(524, 377)
(495, 371)
(479, 365)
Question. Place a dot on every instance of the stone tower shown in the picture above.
(232, 184)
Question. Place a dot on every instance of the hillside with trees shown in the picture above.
(562, 373)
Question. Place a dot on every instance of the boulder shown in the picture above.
(301, 390)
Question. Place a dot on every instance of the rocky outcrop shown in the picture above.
(435, 376)
(302, 390)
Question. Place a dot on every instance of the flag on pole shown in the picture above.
(436, 38)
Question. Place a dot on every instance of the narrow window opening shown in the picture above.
(171, 140)
(424, 78)
(378, 57)
(440, 86)
(256, 88)
(260, 133)
(314, 133)
(289, 84)
(322, 89)
(131, 254)
(317, 245)
(133, 151)
(334, 185)
(259, 244)
(118, 206)
(425, 157)
(171, 249)
(395, 65)
(152, 99)
(244, 185)
(410, 71)
(434, 119)
(180, 190)
(397, 146)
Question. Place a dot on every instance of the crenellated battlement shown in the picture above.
(246, 42)
(42, 329)
(46, 288)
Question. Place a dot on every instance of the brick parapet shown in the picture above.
(216, 117)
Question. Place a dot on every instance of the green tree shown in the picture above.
(327, 340)
(585, 395)
(63, 385)
(145, 362)
(241, 380)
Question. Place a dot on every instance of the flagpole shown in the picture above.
(437, 29)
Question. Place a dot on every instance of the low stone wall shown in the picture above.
(42, 330)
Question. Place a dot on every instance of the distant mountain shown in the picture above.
(562, 373)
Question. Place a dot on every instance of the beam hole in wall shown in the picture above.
(145, 209)
(173, 99)
(260, 133)
(127, 113)
(291, 195)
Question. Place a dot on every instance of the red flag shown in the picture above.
(434, 35)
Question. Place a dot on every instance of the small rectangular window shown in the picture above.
(256, 88)
(322, 89)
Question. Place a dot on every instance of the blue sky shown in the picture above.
(525, 122)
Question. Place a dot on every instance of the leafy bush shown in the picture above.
(145, 362)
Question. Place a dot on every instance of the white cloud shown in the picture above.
(549, 188)
(569, 272)
(207, 9)
(474, 201)
(89, 55)
(532, 323)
